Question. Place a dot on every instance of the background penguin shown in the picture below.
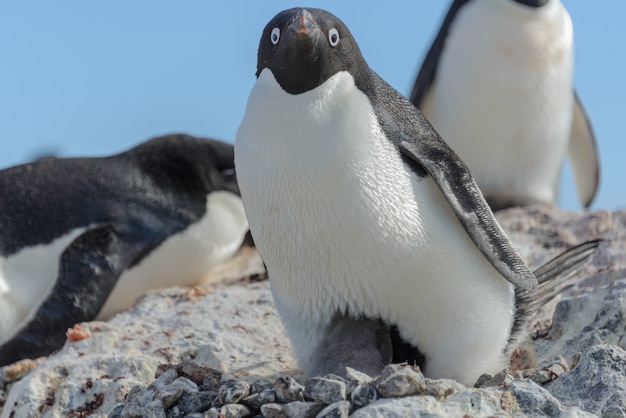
(359, 209)
(497, 85)
(81, 238)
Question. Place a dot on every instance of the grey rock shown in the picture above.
(261, 398)
(533, 399)
(364, 394)
(168, 395)
(191, 402)
(212, 413)
(260, 385)
(339, 409)
(288, 390)
(598, 317)
(152, 409)
(234, 329)
(325, 390)
(547, 371)
(442, 388)
(504, 378)
(597, 383)
(357, 377)
(234, 411)
(302, 409)
(232, 392)
(273, 410)
(406, 407)
(400, 380)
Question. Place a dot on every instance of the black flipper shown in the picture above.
(462, 193)
(428, 70)
(88, 271)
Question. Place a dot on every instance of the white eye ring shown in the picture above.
(333, 37)
(275, 36)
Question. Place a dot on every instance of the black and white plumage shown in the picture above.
(81, 238)
(362, 213)
(497, 84)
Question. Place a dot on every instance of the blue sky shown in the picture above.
(88, 78)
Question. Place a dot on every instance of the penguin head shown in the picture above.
(305, 47)
(188, 164)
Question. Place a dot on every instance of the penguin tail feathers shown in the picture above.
(553, 275)
(552, 278)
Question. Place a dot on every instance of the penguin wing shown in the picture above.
(88, 270)
(428, 71)
(453, 178)
(583, 155)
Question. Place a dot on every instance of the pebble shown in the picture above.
(398, 380)
(288, 390)
(325, 390)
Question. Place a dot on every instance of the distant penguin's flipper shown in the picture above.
(88, 271)
(552, 277)
(583, 155)
(428, 71)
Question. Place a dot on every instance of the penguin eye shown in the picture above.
(333, 37)
(275, 36)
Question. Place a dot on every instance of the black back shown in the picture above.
(166, 177)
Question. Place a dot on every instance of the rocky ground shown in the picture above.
(219, 350)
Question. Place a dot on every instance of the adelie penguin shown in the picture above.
(362, 213)
(497, 84)
(81, 238)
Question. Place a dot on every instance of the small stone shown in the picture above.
(133, 393)
(235, 411)
(195, 415)
(547, 371)
(302, 409)
(288, 390)
(442, 388)
(165, 379)
(116, 412)
(196, 401)
(533, 399)
(502, 379)
(169, 395)
(175, 412)
(337, 410)
(357, 376)
(257, 399)
(232, 392)
(325, 390)
(364, 394)
(259, 386)
(153, 409)
(273, 410)
(400, 380)
(212, 413)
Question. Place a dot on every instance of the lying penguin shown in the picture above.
(82, 238)
(360, 210)
(497, 84)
